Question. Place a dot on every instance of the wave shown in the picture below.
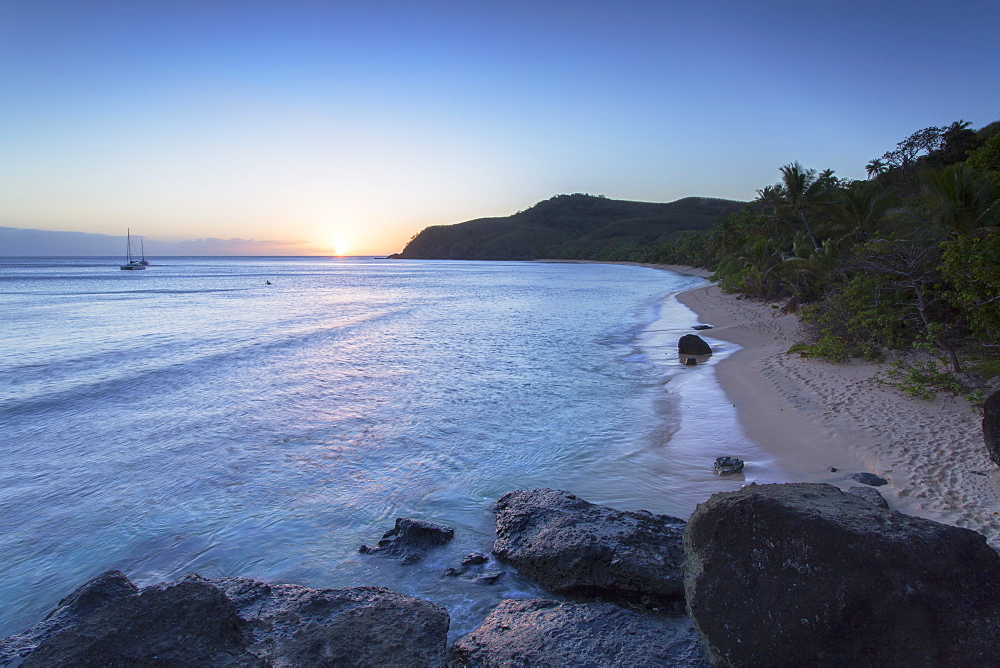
(95, 377)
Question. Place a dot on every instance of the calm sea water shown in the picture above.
(191, 417)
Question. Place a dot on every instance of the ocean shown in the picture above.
(264, 417)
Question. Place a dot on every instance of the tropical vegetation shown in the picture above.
(907, 259)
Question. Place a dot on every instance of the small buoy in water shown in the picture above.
(691, 361)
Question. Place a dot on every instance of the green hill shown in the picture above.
(567, 226)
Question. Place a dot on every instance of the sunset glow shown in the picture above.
(254, 124)
(340, 247)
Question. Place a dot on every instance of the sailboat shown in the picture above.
(130, 263)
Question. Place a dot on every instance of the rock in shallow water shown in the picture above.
(409, 540)
(869, 479)
(692, 344)
(728, 465)
(550, 633)
(489, 577)
(474, 559)
(574, 547)
(804, 574)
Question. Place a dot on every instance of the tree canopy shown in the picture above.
(908, 258)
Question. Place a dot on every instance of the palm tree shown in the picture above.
(857, 210)
(769, 197)
(875, 167)
(802, 190)
(807, 271)
(960, 199)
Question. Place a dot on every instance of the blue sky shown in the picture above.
(356, 124)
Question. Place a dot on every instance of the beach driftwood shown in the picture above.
(571, 546)
(552, 633)
(852, 584)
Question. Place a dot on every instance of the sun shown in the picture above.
(340, 247)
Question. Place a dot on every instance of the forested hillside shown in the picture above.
(569, 226)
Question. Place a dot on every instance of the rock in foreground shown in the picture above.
(574, 547)
(70, 610)
(232, 622)
(804, 574)
(189, 622)
(292, 625)
(869, 494)
(550, 633)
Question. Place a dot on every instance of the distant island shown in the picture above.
(577, 226)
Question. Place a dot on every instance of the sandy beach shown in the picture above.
(812, 415)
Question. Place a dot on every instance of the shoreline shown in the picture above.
(811, 415)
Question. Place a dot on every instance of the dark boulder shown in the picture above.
(409, 540)
(869, 494)
(869, 479)
(728, 465)
(804, 574)
(235, 622)
(186, 623)
(360, 626)
(991, 426)
(692, 344)
(549, 633)
(701, 327)
(574, 547)
(93, 594)
(85, 599)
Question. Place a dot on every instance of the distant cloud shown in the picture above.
(25, 242)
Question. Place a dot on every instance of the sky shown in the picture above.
(346, 127)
